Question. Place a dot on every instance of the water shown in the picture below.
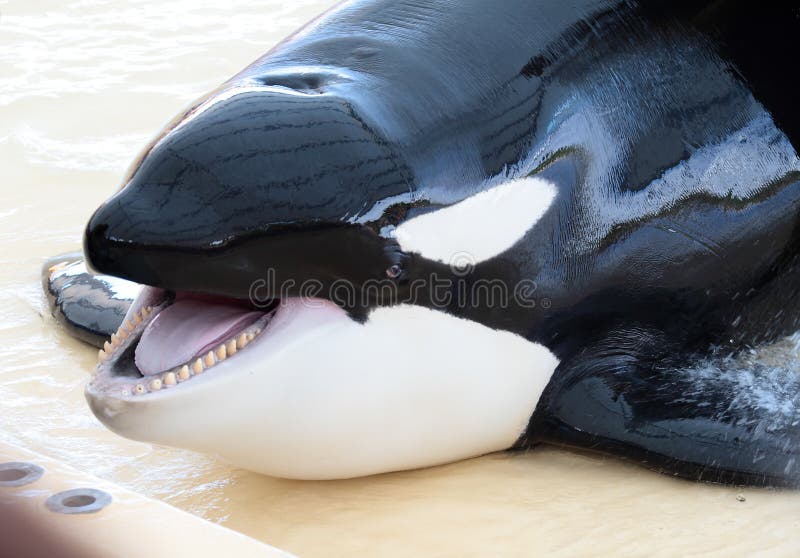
(84, 85)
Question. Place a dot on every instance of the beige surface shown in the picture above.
(130, 526)
(84, 84)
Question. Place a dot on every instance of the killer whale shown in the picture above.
(657, 169)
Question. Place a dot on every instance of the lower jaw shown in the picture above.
(117, 376)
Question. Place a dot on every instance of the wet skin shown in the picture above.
(666, 128)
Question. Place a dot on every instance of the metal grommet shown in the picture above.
(19, 473)
(78, 500)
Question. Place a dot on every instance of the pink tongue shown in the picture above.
(187, 329)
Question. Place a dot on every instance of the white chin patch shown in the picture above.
(481, 226)
(321, 396)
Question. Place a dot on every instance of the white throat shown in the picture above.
(324, 397)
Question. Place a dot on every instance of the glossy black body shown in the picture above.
(90, 307)
(669, 129)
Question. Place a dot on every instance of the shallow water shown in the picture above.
(84, 85)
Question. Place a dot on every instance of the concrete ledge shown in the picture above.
(74, 514)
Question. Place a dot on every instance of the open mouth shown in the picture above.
(170, 338)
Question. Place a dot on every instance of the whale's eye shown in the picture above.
(394, 271)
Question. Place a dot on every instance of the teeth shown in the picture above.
(222, 353)
(183, 373)
(124, 331)
(102, 355)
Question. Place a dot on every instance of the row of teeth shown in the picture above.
(198, 366)
(183, 372)
(127, 327)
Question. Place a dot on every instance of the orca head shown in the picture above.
(251, 178)
(279, 233)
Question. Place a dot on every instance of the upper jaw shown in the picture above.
(117, 376)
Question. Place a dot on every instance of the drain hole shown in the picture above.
(19, 473)
(12, 475)
(78, 500)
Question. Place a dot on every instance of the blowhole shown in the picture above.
(304, 83)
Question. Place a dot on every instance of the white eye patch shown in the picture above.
(481, 226)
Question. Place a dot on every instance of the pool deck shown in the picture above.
(128, 525)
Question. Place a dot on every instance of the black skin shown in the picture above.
(410, 103)
(88, 305)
